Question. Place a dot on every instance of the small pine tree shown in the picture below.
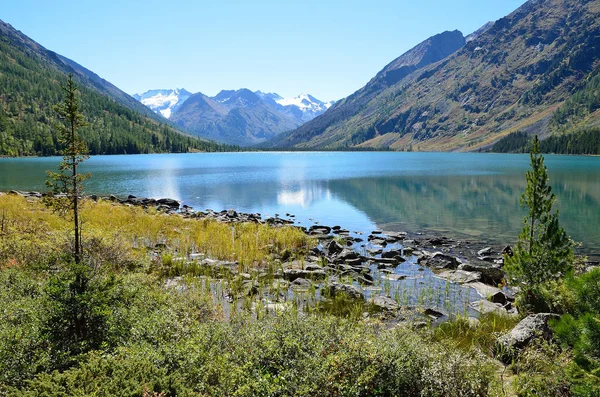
(67, 183)
(544, 251)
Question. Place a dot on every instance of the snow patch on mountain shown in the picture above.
(310, 106)
(163, 102)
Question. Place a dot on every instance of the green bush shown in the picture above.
(542, 372)
(23, 351)
(579, 330)
(287, 355)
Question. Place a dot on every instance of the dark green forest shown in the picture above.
(585, 141)
(30, 84)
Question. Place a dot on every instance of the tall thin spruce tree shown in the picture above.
(67, 182)
(543, 251)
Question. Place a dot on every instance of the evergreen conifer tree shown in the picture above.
(543, 251)
(67, 182)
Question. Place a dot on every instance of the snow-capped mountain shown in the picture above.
(306, 102)
(305, 107)
(239, 117)
(163, 102)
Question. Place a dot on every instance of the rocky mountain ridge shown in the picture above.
(240, 117)
(516, 75)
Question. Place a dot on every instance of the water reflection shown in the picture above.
(304, 196)
(476, 195)
(482, 207)
(164, 183)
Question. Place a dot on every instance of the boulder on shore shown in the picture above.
(490, 273)
(532, 327)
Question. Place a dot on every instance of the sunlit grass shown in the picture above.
(481, 334)
(29, 231)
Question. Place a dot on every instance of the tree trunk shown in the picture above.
(75, 200)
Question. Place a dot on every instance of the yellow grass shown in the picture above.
(30, 232)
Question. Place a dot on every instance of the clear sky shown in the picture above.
(328, 48)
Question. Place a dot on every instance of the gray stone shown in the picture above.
(490, 273)
(395, 236)
(333, 248)
(433, 313)
(347, 254)
(439, 241)
(168, 202)
(439, 260)
(488, 292)
(394, 277)
(532, 327)
(301, 283)
(294, 274)
(484, 306)
(384, 261)
(385, 303)
(485, 251)
(391, 254)
(460, 276)
(375, 251)
(319, 229)
(378, 241)
(349, 290)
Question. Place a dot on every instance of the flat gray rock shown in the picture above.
(484, 306)
(385, 303)
(460, 276)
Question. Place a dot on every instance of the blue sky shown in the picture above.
(328, 48)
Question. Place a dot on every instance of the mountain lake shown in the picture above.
(464, 195)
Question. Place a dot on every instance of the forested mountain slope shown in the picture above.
(30, 84)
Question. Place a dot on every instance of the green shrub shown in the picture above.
(284, 355)
(23, 350)
(579, 330)
(541, 371)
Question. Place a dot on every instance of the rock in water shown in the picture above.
(350, 290)
(385, 303)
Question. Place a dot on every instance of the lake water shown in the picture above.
(475, 196)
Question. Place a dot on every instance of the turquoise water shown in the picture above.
(472, 195)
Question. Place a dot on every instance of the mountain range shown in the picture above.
(533, 71)
(31, 78)
(239, 117)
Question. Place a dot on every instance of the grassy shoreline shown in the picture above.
(153, 336)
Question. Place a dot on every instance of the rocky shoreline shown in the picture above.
(343, 255)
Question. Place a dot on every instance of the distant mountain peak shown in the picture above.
(164, 101)
(237, 116)
(265, 95)
(223, 95)
(479, 32)
(433, 49)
